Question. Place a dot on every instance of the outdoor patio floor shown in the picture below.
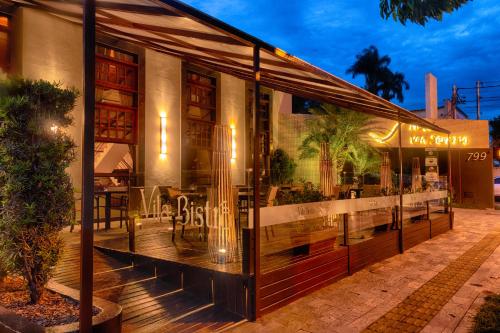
(150, 303)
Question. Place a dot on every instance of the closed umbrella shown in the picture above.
(385, 173)
(327, 172)
(221, 224)
(416, 176)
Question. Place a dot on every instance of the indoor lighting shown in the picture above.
(163, 135)
(233, 143)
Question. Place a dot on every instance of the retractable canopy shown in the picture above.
(174, 28)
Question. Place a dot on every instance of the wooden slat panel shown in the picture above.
(440, 225)
(282, 286)
(269, 289)
(373, 250)
(305, 264)
(416, 233)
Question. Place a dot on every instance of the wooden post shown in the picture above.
(87, 232)
(345, 218)
(256, 178)
(401, 189)
(450, 185)
(131, 234)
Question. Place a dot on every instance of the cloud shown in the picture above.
(460, 49)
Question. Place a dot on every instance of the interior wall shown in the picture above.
(56, 59)
(163, 94)
(232, 99)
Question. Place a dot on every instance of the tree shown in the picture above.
(495, 130)
(379, 79)
(364, 158)
(418, 11)
(37, 194)
(344, 130)
(282, 167)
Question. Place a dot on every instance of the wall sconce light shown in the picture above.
(163, 135)
(54, 128)
(233, 143)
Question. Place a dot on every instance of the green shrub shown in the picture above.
(37, 194)
(282, 167)
(488, 317)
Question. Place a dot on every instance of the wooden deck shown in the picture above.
(151, 302)
(156, 242)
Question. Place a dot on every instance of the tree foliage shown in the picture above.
(282, 167)
(36, 193)
(345, 132)
(495, 129)
(379, 79)
(418, 11)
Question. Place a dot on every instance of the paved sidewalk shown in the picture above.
(460, 258)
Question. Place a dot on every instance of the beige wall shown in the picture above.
(58, 58)
(282, 104)
(46, 47)
(163, 91)
(233, 113)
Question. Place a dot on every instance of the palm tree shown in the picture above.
(341, 129)
(364, 158)
(379, 79)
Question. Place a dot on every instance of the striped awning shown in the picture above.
(174, 28)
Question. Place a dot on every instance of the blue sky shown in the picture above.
(462, 48)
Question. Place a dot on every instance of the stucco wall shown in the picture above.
(163, 87)
(58, 58)
(233, 113)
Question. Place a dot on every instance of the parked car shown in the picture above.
(497, 188)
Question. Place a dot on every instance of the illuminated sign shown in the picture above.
(439, 140)
(421, 136)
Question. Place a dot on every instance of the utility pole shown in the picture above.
(478, 98)
(454, 100)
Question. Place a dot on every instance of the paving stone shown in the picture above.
(440, 289)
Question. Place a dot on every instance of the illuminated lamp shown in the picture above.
(233, 143)
(163, 135)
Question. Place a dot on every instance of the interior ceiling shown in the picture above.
(174, 28)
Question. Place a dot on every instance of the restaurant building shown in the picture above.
(189, 113)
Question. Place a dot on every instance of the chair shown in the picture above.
(76, 209)
(172, 195)
(121, 204)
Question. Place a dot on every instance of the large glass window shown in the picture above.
(116, 96)
(199, 118)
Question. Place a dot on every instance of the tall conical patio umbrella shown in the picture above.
(327, 179)
(385, 173)
(416, 176)
(221, 224)
(327, 172)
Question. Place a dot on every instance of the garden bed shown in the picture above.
(57, 311)
(52, 310)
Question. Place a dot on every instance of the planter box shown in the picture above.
(108, 320)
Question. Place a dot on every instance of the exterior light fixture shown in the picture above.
(163, 135)
(233, 143)
(54, 128)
